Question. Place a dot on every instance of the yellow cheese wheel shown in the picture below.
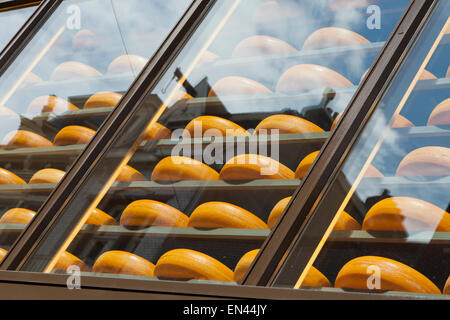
(243, 264)
(276, 212)
(315, 278)
(441, 114)
(309, 77)
(3, 253)
(285, 124)
(447, 287)
(189, 264)
(127, 63)
(394, 276)
(73, 70)
(426, 161)
(85, 39)
(25, 139)
(100, 218)
(50, 104)
(217, 126)
(217, 214)
(129, 174)
(104, 99)
(146, 213)
(333, 37)
(122, 262)
(7, 177)
(401, 122)
(66, 260)
(406, 214)
(157, 132)
(346, 222)
(261, 46)
(178, 168)
(237, 86)
(48, 175)
(252, 166)
(305, 164)
(71, 135)
(17, 216)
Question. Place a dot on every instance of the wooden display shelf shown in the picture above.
(389, 237)
(387, 294)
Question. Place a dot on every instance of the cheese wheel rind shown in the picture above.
(217, 214)
(146, 213)
(197, 127)
(426, 161)
(286, 124)
(189, 264)
(176, 168)
(67, 260)
(122, 262)
(447, 287)
(158, 132)
(48, 175)
(17, 216)
(243, 264)
(305, 164)
(100, 218)
(394, 276)
(104, 99)
(72, 135)
(7, 177)
(25, 139)
(130, 174)
(315, 278)
(54, 104)
(346, 222)
(276, 212)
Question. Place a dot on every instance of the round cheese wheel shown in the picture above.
(447, 287)
(270, 11)
(104, 99)
(315, 278)
(310, 76)
(252, 166)
(47, 176)
(406, 214)
(157, 132)
(71, 135)
(178, 168)
(50, 104)
(146, 213)
(394, 276)
(127, 63)
(17, 216)
(31, 78)
(67, 260)
(73, 70)
(441, 114)
(7, 177)
(237, 86)
(333, 37)
(3, 253)
(100, 218)
(346, 222)
(243, 264)
(25, 139)
(401, 122)
(189, 264)
(285, 124)
(85, 39)
(122, 262)
(373, 172)
(276, 212)
(261, 46)
(426, 161)
(217, 127)
(129, 174)
(217, 214)
(305, 164)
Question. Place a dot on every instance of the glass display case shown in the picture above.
(61, 87)
(201, 169)
(11, 19)
(394, 188)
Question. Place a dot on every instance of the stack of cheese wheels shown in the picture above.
(25, 139)
(261, 46)
(305, 77)
(272, 11)
(237, 86)
(7, 177)
(447, 286)
(103, 99)
(129, 174)
(426, 161)
(285, 124)
(67, 260)
(146, 213)
(208, 126)
(394, 276)
(127, 63)
(185, 264)
(17, 216)
(333, 37)
(253, 166)
(157, 132)
(217, 214)
(3, 253)
(177, 168)
(48, 175)
(85, 39)
(50, 104)
(406, 214)
(122, 262)
(441, 114)
(73, 70)
(345, 221)
(71, 135)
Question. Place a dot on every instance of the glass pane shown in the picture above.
(60, 89)
(202, 180)
(383, 225)
(11, 21)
